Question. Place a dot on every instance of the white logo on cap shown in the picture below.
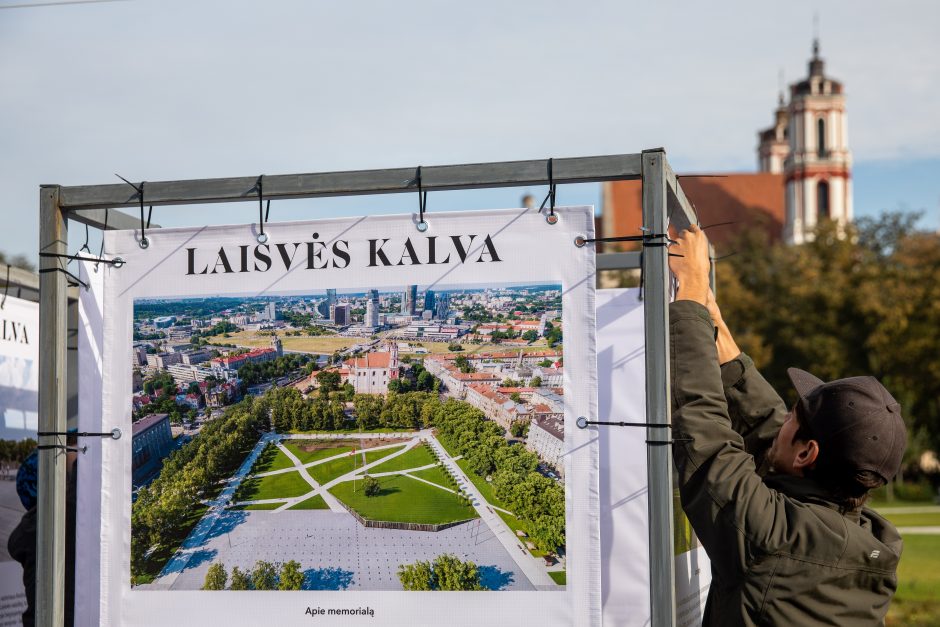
(875, 554)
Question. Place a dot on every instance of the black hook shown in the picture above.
(262, 214)
(6, 289)
(107, 214)
(144, 242)
(422, 202)
(551, 218)
(85, 245)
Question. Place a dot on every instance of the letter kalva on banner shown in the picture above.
(354, 416)
(19, 406)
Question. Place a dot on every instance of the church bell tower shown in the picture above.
(817, 169)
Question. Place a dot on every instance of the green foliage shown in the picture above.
(216, 577)
(454, 347)
(264, 576)
(283, 366)
(448, 572)
(545, 363)
(15, 451)
(553, 334)
(511, 383)
(292, 578)
(535, 382)
(537, 501)
(240, 580)
(189, 474)
(530, 335)
(865, 303)
(371, 486)
(519, 429)
(329, 380)
(464, 364)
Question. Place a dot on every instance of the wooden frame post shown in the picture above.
(53, 314)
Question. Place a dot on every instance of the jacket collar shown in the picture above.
(806, 490)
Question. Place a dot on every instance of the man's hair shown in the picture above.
(848, 487)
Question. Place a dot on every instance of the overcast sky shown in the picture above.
(191, 89)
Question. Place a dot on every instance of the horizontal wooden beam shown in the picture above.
(399, 180)
(107, 219)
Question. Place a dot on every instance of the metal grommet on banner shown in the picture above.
(262, 214)
(579, 241)
(551, 218)
(582, 422)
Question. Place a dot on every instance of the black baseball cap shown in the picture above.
(855, 420)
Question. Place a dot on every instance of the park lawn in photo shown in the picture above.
(917, 602)
(415, 458)
(376, 430)
(158, 559)
(323, 344)
(558, 576)
(280, 486)
(919, 519)
(517, 525)
(403, 499)
(312, 450)
(314, 502)
(327, 471)
(435, 475)
(484, 486)
(271, 458)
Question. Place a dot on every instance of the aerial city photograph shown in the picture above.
(393, 438)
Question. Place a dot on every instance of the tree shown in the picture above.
(417, 576)
(215, 577)
(858, 299)
(329, 380)
(530, 335)
(535, 382)
(454, 347)
(371, 486)
(264, 576)
(464, 364)
(240, 580)
(519, 429)
(545, 363)
(447, 572)
(292, 578)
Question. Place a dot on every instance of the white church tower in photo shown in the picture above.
(809, 144)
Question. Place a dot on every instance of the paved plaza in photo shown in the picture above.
(338, 553)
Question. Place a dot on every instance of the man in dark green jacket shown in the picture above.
(775, 496)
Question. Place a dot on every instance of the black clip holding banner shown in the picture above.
(583, 423)
(114, 434)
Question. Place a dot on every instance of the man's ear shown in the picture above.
(806, 457)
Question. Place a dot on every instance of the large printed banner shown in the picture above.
(19, 415)
(353, 422)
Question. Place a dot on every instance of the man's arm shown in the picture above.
(755, 409)
(734, 514)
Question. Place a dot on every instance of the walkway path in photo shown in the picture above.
(531, 566)
(197, 536)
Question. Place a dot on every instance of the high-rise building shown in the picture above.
(442, 305)
(372, 309)
(409, 300)
(269, 312)
(324, 308)
(339, 314)
(429, 300)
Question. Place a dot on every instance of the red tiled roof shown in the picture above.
(750, 200)
(370, 360)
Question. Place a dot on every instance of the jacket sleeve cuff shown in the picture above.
(733, 371)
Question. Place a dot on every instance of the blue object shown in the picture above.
(27, 479)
